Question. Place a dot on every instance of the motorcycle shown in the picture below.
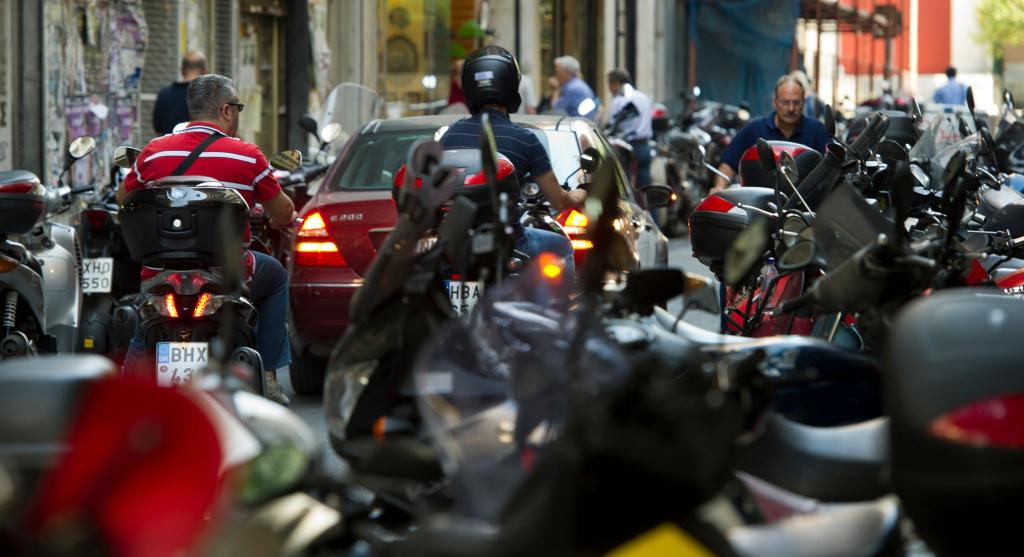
(41, 283)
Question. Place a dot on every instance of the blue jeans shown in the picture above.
(642, 154)
(534, 241)
(269, 289)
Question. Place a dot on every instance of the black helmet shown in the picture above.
(491, 75)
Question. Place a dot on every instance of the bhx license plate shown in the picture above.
(177, 362)
(97, 274)
(463, 295)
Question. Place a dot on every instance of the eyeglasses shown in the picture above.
(790, 104)
(239, 106)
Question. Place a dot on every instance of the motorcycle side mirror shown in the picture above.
(81, 146)
(788, 166)
(891, 152)
(798, 256)
(954, 168)
(970, 99)
(1008, 97)
(696, 91)
(287, 160)
(830, 121)
(915, 110)
(586, 106)
(125, 156)
(766, 155)
(657, 196)
(986, 138)
(902, 198)
(701, 293)
(308, 124)
(330, 132)
(590, 159)
(746, 251)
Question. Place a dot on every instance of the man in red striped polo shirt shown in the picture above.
(214, 108)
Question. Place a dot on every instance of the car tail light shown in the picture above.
(313, 247)
(993, 422)
(170, 306)
(575, 225)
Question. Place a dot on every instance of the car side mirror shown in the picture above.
(657, 196)
(590, 159)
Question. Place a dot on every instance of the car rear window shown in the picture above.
(371, 162)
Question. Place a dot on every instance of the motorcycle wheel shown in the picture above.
(307, 373)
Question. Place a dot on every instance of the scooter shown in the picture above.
(41, 286)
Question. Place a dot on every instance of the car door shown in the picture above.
(649, 245)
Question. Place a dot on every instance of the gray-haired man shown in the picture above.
(572, 90)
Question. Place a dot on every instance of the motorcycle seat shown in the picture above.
(863, 529)
(841, 463)
(694, 333)
(37, 400)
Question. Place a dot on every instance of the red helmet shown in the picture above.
(752, 174)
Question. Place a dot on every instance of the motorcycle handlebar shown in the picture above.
(876, 127)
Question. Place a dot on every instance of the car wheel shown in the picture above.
(307, 373)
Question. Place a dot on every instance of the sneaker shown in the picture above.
(272, 389)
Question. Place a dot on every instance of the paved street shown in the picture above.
(311, 410)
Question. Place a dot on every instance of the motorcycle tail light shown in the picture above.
(18, 187)
(201, 305)
(96, 218)
(313, 248)
(170, 306)
(992, 422)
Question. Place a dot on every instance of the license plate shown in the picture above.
(177, 362)
(424, 244)
(97, 274)
(463, 295)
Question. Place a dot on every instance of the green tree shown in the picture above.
(1001, 24)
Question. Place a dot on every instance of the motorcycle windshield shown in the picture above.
(350, 105)
(943, 138)
(494, 388)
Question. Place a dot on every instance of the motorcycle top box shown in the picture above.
(21, 201)
(182, 223)
(954, 391)
(474, 182)
(716, 222)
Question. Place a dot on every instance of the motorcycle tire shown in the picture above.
(307, 373)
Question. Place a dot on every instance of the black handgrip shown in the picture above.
(312, 172)
(877, 124)
(796, 303)
(82, 189)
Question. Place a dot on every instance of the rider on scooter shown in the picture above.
(209, 141)
(490, 82)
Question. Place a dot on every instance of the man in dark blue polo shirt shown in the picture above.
(490, 82)
(786, 123)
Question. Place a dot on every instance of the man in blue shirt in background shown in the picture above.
(572, 90)
(787, 123)
(953, 92)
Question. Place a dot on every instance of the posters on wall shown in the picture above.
(93, 63)
(6, 85)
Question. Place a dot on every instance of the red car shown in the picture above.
(352, 212)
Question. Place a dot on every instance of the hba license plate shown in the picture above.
(463, 294)
(97, 274)
(176, 362)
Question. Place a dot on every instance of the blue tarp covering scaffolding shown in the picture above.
(742, 47)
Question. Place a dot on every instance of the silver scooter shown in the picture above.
(40, 262)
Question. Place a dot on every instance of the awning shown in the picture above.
(886, 21)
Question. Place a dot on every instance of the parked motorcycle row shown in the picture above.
(860, 399)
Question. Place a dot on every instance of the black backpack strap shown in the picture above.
(191, 158)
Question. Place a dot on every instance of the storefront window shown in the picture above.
(413, 47)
